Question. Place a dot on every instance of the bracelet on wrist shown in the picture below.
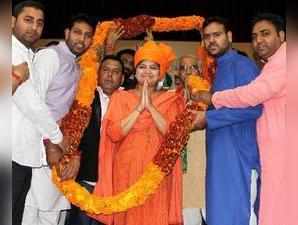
(46, 141)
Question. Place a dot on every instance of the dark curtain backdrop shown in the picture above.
(238, 12)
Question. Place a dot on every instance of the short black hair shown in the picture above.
(82, 17)
(126, 51)
(115, 58)
(219, 20)
(277, 21)
(18, 8)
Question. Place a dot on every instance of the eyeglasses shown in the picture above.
(189, 68)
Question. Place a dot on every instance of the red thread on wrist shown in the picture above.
(46, 141)
(16, 76)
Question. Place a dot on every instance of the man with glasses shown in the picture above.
(188, 65)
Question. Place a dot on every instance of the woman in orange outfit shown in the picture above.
(133, 128)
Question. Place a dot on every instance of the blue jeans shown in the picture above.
(77, 217)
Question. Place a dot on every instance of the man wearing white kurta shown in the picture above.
(31, 119)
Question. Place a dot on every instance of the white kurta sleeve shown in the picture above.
(30, 96)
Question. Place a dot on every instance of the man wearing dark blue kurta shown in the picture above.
(232, 152)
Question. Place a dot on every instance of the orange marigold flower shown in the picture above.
(177, 24)
(197, 83)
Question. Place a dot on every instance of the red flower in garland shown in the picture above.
(134, 26)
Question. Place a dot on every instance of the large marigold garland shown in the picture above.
(74, 124)
(162, 164)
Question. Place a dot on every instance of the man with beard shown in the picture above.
(232, 152)
(32, 120)
(44, 202)
(127, 58)
(110, 77)
(269, 88)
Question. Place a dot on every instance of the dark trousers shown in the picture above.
(75, 216)
(21, 180)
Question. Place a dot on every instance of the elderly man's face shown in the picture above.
(188, 66)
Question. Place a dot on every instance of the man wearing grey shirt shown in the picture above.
(44, 202)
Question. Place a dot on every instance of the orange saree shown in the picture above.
(124, 158)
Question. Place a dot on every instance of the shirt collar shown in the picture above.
(16, 42)
(279, 52)
(101, 93)
(226, 56)
(66, 49)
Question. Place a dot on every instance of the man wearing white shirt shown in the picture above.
(32, 122)
(58, 63)
(20, 73)
(110, 77)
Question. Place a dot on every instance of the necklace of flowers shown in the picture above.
(75, 122)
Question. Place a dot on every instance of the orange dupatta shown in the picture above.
(110, 144)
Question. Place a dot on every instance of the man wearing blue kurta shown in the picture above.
(232, 152)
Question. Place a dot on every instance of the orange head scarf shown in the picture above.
(157, 52)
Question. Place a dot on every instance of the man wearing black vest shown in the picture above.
(110, 77)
